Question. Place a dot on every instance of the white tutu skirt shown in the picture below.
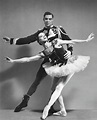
(74, 64)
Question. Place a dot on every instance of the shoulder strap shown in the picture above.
(59, 34)
(60, 31)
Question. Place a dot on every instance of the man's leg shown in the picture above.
(39, 77)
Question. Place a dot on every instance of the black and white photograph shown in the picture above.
(48, 61)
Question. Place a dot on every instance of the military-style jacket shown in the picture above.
(53, 31)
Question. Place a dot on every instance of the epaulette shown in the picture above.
(40, 29)
(60, 26)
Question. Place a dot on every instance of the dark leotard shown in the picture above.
(56, 56)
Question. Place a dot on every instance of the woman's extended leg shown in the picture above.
(62, 111)
(56, 94)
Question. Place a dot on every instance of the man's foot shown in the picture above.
(23, 104)
(60, 113)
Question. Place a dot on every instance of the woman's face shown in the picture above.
(42, 37)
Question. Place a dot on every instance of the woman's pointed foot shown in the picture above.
(42, 118)
(60, 113)
(45, 113)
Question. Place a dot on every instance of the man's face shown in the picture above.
(48, 20)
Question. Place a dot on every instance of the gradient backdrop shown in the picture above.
(19, 18)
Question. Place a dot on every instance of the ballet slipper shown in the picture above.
(60, 113)
(45, 113)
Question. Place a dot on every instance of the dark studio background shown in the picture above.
(19, 18)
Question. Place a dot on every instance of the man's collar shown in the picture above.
(49, 27)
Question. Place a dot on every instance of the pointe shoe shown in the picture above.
(60, 113)
(45, 113)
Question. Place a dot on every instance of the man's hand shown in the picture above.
(67, 55)
(7, 39)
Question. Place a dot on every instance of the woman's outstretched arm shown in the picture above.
(73, 41)
(25, 59)
(90, 37)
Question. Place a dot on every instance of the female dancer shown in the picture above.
(58, 67)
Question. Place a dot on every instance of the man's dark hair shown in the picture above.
(48, 13)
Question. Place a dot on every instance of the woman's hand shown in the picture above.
(9, 59)
(90, 37)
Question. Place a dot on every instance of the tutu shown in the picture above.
(74, 64)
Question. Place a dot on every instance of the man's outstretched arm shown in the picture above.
(21, 41)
